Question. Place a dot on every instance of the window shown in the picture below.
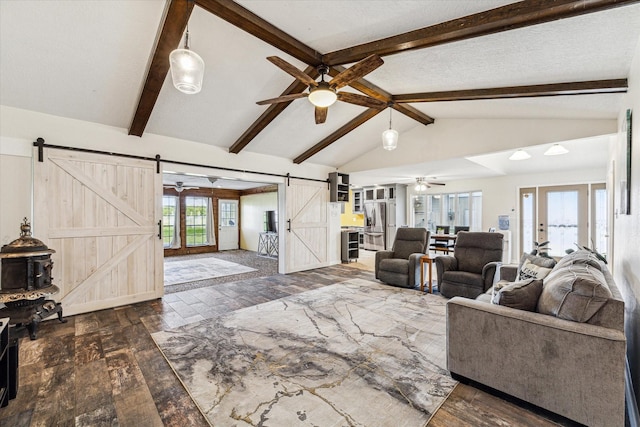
(228, 214)
(170, 218)
(452, 209)
(196, 216)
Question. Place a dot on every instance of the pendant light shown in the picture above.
(390, 136)
(187, 68)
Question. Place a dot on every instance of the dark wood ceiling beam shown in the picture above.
(362, 118)
(173, 27)
(374, 91)
(248, 21)
(553, 89)
(509, 17)
(270, 113)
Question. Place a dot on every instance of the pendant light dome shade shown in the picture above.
(187, 69)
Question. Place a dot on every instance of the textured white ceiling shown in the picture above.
(87, 60)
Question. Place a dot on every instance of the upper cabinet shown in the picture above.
(357, 202)
(338, 187)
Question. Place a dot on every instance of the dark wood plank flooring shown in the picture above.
(103, 368)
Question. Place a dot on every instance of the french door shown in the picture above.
(563, 216)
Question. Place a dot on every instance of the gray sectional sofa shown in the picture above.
(574, 368)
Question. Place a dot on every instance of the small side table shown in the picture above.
(268, 244)
(426, 259)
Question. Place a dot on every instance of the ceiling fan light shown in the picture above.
(322, 96)
(187, 70)
(520, 155)
(556, 149)
(390, 139)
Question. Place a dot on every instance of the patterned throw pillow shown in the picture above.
(534, 267)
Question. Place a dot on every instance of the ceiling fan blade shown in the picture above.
(321, 115)
(436, 183)
(365, 101)
(293, 71)
(356, 71)
(283, 98)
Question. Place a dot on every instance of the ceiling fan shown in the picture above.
(422, 184)
(323, 94)
(179, 187)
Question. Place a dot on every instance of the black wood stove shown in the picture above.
(25, 282)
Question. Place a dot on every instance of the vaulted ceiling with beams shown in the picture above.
(107, 62)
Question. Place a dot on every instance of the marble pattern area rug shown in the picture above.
(355, 353)
(183, 271)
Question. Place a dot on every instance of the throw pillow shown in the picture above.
(521, 295)
(534, 267)
(574, 292)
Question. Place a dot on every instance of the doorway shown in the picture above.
(228, 225)
(563, 215)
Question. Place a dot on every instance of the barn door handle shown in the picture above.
(160, 229)
(289, 225)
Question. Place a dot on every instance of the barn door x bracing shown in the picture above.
(100, 214)
(307, 233)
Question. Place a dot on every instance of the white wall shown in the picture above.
(626, 228)
(457, 138)
(252, 209)
(15, 188)
(500, 194)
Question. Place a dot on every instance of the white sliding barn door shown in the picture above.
(307, 227)
(100, 214)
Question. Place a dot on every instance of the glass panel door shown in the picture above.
(563, 217)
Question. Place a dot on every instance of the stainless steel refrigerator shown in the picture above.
(375, 226)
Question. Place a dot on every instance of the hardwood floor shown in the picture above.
(103, 368)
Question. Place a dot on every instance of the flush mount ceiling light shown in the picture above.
(390, 137)
(520, 155)
(187, 68)
(555, 150)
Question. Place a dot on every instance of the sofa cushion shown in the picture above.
(581, 256)
(574, 292)
(463, 277)
(522, 295)
(534, 267)
(395, 265)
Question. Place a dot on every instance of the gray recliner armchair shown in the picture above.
(470, 271)
(401, 265)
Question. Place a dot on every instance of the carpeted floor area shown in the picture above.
(262, 267)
